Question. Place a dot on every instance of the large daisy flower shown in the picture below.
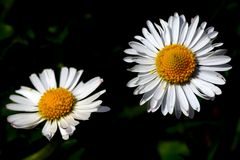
(175, 62)
(61, 107)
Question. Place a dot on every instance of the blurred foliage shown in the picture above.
(92, 35)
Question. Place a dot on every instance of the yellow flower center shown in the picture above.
(175, 64)
(56, 103)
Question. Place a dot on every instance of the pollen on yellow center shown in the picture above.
(56, 103)
(175, 64)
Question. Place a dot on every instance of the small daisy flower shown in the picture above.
(175, 62)
(61, 107)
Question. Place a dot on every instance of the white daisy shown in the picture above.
(176, 62)
(60, 107)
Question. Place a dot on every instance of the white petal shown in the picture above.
(24, 120)
(161, 90)
(215, 60)
(171, 98)
(192, 99)
(75, 80)
(198, 93)
(198, 35)
(71, 75)
(70, 120)
(202, 88)
(88, 106)
(91, 98)
(146, 79)
(155, 35)
(133, 82)
(149, 86)
(142, 68)
(205, 50)
(78, 89)
(63, 76)
(167, 33)
(177, 110)
(213, 34)
(81, 115)
(30, 94)
(46, 130)
(131, 51)
(21, 107)
(184, 105)
(212, 77)
(201, 43)
(89, 87)
(164, 108)
(183, 33)
(214, 88)
(147, 96)
(49, 78)
(175, 29)
(21, 100)
(191, 31)
(147, 43)
(103, 109)
(37, 83)
(224, 67)
(142, 49)
(149, 37)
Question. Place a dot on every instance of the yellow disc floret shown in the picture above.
(175, 64)
(56, 103)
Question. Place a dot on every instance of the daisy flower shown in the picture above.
(61, 107)
(175, 62)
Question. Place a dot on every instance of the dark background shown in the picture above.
(91, 35)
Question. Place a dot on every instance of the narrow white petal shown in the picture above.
(213, 34)
(147, 43)
(164, 108)
(81, 115)
(89, 87)
(71, 75)
(177, 110)
(147, 96)
(88, 106)
(78, 89)
(191, 31)
(211, 86)
(149, 37)
(64, 132)
(70, 120)
(160, 91)
(63, 123)
(183, 33)
(198, 34)
(146, 79)
(21, 107)
(167, 33)
(203, 88)
(133, 82)
(37, 83)
(149, 86)
(212, 77)
(52, 78)
(192, 99)
(142, 68)
(91, 98)
(201, 43)
(198, 93)
(155, 35)
(131, 51)
(175, 29)
(63, 76)
(214, 60)
(75, 80)
(102, 109)
(224, 67)
(142, 49)
(205, 50)
(21, 100)
(171, 98)
(30, 94)
(184, 105)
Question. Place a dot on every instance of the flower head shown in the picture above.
(175, 62)
(61, 107)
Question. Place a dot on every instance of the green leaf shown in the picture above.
(77, 155)
(5, 31)
(170, 150)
